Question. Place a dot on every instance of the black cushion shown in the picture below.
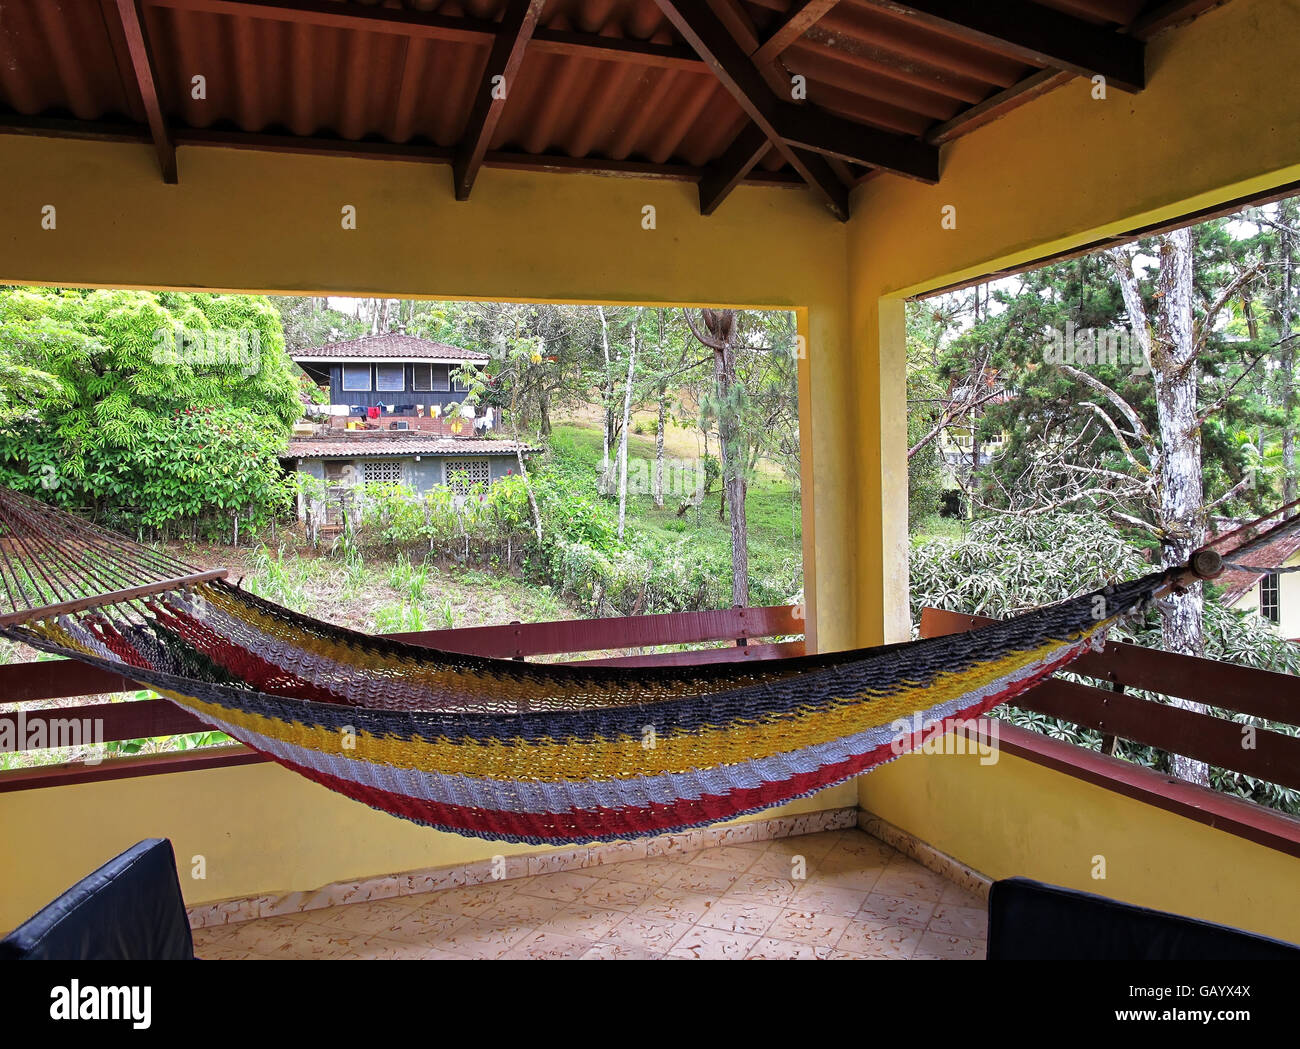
(129, 909)
(1032, 921)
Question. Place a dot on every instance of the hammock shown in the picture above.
(501, 749)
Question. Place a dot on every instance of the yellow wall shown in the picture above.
(260, 829)
(1218, 121)
(1018, 818)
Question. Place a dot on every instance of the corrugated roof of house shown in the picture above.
(1237, 582)
(399, 443)
(393, 346)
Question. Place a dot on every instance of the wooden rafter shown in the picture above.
(498, 80)
(430, 26)
(997, 105)
(800, 133)
(146, 82)
(1035, 34)
(802, 18)
(730, 170)
(1170, 13)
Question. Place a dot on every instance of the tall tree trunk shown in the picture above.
(1176, 377)
(544, 413)
(627, 426)
(1289, 213)
(722, 328)
(532, 499)
(661, 423)
(607, 397)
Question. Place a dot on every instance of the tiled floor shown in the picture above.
(858, 899)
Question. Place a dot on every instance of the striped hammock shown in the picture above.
(540, 753)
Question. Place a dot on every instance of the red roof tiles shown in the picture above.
(392, 346)
(370, 445)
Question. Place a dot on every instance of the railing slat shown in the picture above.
(57, 679)
(595, 635)
(1272, 756)
(133, 719)
(1246, 690)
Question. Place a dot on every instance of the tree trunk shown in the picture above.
(722, 325)
(528, 487)
(658, 485)
(1289, 213)
(622, 441)
(544, 413)
(1175, 374)
(607, 396)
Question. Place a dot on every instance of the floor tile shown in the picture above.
(857, 899)
(713, 943)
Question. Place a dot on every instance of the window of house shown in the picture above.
(423, 378)
(1270, 597)
(441, 378)
(356, 377)
(390, 378)
(385, 471)
(337, 472)
(460, 475)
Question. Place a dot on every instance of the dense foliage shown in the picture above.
(155, 410)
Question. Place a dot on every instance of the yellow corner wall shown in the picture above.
(259, 828)
(1219, 121)
(1019, 818)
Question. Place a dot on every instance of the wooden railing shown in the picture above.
(1117, 714)
(748, 630)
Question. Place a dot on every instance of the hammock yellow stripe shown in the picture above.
(598, 758)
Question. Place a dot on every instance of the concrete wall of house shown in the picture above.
(1288, 604)
(1217, 123)
(407, 395)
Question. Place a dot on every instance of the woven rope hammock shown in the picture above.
(541, 753)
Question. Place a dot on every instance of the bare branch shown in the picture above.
(1206, 324)
(1125, 409)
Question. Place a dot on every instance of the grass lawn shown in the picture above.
(772, 507)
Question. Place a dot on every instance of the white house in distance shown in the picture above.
(1275, 596)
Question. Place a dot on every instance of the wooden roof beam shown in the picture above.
(731, 169)
(801, 133)
(1037, 35)
(146, 82)
(517, 25)
(802, 18)
(430, 26)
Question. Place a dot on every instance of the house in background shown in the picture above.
(393, 381)
(1275, 596)
(345, 460)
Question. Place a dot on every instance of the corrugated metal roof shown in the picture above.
(390, 346)
(604, 84)
(384, 444)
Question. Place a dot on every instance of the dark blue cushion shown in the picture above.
(1032, 921)
(129, 909)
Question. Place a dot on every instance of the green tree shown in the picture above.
(170, 405)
